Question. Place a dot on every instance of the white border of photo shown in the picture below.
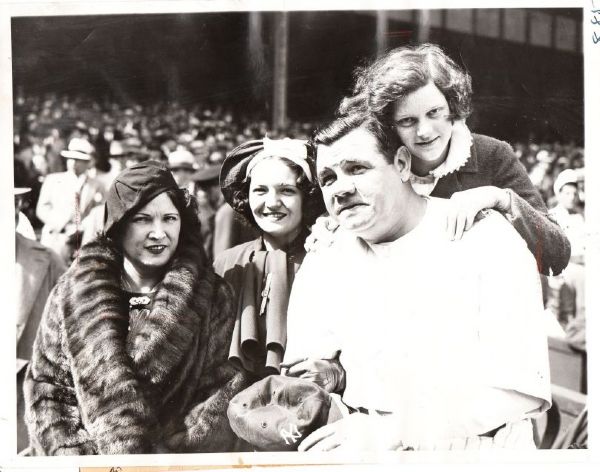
(541, 460)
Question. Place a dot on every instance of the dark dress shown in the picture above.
(262, 282)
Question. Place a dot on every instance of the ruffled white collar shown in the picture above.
(458, 155)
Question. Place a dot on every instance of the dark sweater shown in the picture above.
(493, 162)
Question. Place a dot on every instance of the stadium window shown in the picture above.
(540, 29)
(460, 20)
(515, 25)
(566, 33)
(488, 22)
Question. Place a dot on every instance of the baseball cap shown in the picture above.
(278, 412)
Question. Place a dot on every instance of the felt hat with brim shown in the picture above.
(567, 176)
(133, 188)
(233, 170)
(278, 412)
(78, 148)
(128, 148)
(207, 174)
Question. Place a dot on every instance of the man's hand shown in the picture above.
(326, 373)
(321, 234)
(357, 432)
(466, 205)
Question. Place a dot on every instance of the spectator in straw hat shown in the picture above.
(37, 270)
(124, 154)
(23, 223)
(566, 297)
(66, 198)
(182, 166)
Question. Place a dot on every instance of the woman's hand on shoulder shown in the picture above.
(321, 234)
(465, 206)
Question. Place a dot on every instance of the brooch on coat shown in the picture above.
(139, 301)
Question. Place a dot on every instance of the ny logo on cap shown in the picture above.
(292, 434)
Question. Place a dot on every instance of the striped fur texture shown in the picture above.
(99, 383)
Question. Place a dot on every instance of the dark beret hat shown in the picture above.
(233, 170)
(133, 188)
(278, 412)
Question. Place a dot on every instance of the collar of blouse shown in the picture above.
(458, 155)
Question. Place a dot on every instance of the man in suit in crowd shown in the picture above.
(66, 198)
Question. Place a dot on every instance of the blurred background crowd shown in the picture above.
(193, 141)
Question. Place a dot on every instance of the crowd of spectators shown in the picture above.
(44, 125)
(545, 161)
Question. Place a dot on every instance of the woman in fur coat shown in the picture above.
(131, 354)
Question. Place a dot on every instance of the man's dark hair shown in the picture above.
(386, 136)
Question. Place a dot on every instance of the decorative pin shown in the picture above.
(139, 301)
(265, 294)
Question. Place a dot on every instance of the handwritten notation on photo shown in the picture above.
(596, 22)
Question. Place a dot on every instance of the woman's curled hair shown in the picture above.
(402, 71)
(312, 198)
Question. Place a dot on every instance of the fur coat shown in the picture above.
(100, 383)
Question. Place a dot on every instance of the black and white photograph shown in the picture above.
(258, 233)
